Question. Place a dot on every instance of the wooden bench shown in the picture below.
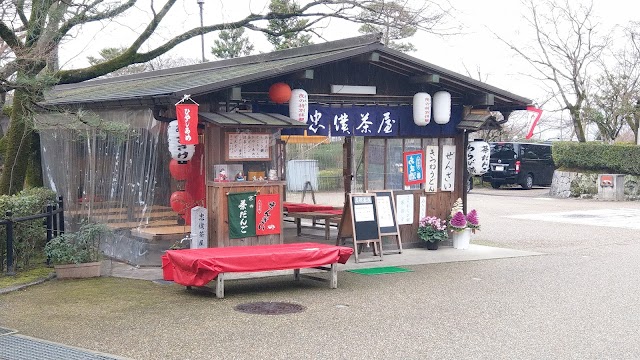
(198, 267)
(328, 220)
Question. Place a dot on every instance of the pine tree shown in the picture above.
(231, 44)
(289, 29)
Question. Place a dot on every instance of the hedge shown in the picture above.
(597, 157)
(29, 236)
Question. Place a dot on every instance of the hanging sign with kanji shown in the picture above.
(242, 215)
(413, 167)
(267, 214)
(187, 115)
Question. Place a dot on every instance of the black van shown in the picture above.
(526, 164)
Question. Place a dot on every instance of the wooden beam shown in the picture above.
(425, 79)
(235, 93)
(485, 99)
(372, 57)
(304, 75)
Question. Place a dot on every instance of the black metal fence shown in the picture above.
(53, 216)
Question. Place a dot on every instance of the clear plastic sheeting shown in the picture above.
(120, 177)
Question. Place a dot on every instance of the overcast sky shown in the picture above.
(475, 49)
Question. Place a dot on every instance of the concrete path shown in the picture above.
(417, 256)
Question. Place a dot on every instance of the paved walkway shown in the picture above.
(408, 257)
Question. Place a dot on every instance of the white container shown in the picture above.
(461, 239)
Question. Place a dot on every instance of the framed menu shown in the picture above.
(247, 146)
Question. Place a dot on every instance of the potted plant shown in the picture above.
(462, 226)
(432, 230)
(77, 254)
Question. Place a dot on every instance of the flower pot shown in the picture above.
(432, 245)
(74, 271)
(461, 239)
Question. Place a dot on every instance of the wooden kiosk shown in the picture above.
(245, 143)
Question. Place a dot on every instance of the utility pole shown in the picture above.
(201, 3)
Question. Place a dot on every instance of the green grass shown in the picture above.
(22, 277)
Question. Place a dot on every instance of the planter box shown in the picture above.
(74, 271)
(461, 239)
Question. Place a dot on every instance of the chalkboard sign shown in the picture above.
(360, 222)
(386, 207)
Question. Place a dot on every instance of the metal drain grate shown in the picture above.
(17, 347)
(5, 331)
(270, 308)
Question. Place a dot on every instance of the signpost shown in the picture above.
(360, 222)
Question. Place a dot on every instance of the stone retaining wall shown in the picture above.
(568, 184)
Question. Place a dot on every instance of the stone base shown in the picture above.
(75, 271)
(568, 184)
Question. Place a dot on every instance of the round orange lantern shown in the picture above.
(179, 171)
(181, 202)
(280, 93)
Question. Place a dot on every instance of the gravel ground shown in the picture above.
(579, 301)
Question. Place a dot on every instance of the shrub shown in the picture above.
(597, 157)
(29, 236)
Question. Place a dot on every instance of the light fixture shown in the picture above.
(353, 89)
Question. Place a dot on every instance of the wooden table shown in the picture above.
(314, 216)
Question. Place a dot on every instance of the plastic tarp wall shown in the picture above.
(116, 177)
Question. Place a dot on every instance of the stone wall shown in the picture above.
(568, 184)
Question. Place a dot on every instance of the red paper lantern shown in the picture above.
(179, 171)
(280, 93)
(181, 202)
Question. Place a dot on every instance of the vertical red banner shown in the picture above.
(268, 214)
(187, 115)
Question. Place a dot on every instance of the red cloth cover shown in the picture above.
(197, 267)
(301, 207)
(167, 268)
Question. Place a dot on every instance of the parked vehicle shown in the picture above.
(526, 164)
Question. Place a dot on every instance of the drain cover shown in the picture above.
(269, 308)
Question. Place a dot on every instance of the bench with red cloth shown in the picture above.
(329, 214)
(198, 267)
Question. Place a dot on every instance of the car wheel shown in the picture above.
(495, 185)
(527, 184)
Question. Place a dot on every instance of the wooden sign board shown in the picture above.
(247, 146)
(386, 207)
(360, 222)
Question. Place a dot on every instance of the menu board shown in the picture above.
(404, 206)
(247, 146)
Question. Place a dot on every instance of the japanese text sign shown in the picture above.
(268, 214)
(413, 167)
(187, 115)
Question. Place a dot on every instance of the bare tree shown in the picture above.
(386, 12)
(33, 30)
(566, 48)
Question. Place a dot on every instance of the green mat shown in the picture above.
(380, 270)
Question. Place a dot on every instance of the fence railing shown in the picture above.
(53, 223)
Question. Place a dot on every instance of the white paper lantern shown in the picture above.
(299, 105)
(478, 153)
(441, 107)
(182, 153)
(421, 108)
